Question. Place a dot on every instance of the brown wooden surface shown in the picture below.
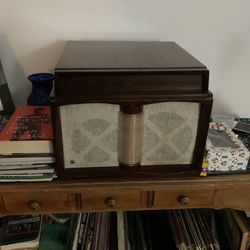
(77, 87)
(75, 196)
(99, 71)
(125, 55)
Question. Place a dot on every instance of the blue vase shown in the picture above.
(42, 84)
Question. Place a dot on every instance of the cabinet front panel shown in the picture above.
(236, 198)
(111, 199)
(86, 86)
(183, 198)
(39, 202)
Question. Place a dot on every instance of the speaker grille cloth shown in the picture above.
(170, 130)
(90, 135)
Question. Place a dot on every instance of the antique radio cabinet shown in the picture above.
(129, 110)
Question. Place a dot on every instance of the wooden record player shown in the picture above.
(129, 110)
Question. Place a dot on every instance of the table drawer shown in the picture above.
(183, 198)
(39, 202)
(110, 199)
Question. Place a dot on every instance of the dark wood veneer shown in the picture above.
(91, 56)
(80, 86)
(131, 74)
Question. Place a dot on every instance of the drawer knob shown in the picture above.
(34, 205)
(183, 200)
(110, 202)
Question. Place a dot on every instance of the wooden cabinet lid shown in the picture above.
(126, 56)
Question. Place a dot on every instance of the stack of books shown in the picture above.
(26, 147)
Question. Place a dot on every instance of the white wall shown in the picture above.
(33, 32)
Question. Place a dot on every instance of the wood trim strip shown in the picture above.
(147, 199)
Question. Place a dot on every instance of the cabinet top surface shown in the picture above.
(120, 56)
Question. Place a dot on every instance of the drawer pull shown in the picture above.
(110, 202)
(34, 205)
(183, 200)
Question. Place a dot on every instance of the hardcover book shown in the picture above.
(29, 123)
(29, 131)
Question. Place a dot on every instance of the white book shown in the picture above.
(22, 166)
(21, 160)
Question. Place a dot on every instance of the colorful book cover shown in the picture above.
(29, 123)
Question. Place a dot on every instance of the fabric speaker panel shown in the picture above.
(170, 130)
(89, 135)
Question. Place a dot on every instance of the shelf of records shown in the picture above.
(135, 230)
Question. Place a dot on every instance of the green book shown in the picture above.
(27, 177)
